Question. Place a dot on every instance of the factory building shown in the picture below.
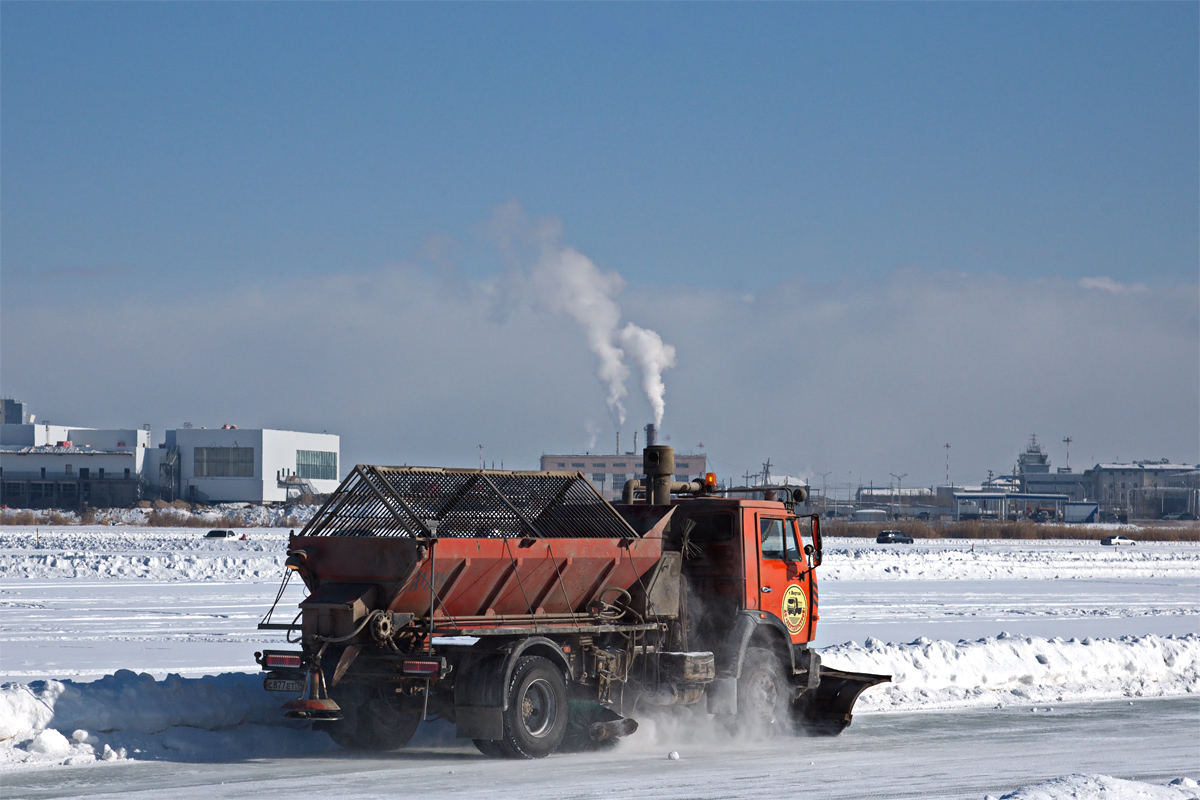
(60, 466)
(608, 472)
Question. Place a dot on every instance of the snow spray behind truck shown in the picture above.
(536, 616)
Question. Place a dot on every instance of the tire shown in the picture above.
(536, 718)
(490, 747)
(381, 727)
(763, 694)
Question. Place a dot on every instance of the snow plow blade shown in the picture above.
(826, 709)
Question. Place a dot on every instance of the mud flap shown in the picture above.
(827, 708)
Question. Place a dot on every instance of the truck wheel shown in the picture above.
(763, 694)
(536, 718)
(382, 726)
(490, 747)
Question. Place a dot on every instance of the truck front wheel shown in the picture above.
(536, 718)
(763, 694)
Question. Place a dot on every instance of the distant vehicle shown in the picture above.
(1173, 516)
(1113, 540)
(893, 537)
(219, 534)
(1187, 517)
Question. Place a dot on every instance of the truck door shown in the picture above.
(781, 564)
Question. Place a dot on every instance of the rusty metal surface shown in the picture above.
(484, 577)
(424, 502)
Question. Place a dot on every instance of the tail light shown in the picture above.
(281, 661)
(425, 669)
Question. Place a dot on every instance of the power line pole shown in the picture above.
(824, 493)
(1068, 441)
(947, 446)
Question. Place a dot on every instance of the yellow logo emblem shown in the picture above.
(795, 608)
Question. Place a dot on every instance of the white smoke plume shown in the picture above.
(652, 356)
(567, 281)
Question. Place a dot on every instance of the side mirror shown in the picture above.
(799, 495)
(816, 539)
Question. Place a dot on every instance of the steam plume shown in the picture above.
(567, 281)
(652, 356)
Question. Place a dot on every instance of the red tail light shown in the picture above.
(286, 662)
(422, 667)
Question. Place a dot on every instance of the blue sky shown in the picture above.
(736, 144)
(152, 151)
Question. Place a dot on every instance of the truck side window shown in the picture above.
(772, 538)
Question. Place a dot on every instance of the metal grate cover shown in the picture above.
(467, 503)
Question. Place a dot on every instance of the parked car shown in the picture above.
(893, 537)
(1114, 540)
(220, 534)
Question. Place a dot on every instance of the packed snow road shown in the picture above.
(946, 755)
(1028, 661)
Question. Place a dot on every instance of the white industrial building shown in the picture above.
(44, 465)
(240, 464)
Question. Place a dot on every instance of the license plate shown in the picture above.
(283, 685)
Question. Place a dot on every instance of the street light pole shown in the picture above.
(899, 489)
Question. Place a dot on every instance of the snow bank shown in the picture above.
(130, 715)
(161, 554)
(1102, 787)
(184, 554)
(1006, 560)
(1009, 670)
(164, 567)
(249, 515)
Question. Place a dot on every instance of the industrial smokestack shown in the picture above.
(651, 435)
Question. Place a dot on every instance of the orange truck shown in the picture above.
(537, 617)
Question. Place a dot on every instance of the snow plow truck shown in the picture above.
(535, 616)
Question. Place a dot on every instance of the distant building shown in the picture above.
(1146, 489)
(608, 473)
(241, 464)
(12, 412)
(1033, 472)
(60, 466)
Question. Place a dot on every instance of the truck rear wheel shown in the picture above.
(490, 747)
(381, 726)
(763, 694)
(536, 718)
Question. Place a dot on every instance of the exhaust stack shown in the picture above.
(658, 464)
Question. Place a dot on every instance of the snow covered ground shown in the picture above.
(1000, 646)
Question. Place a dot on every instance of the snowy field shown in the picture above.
(1025, 669)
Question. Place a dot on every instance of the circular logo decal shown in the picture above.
(795, 608)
